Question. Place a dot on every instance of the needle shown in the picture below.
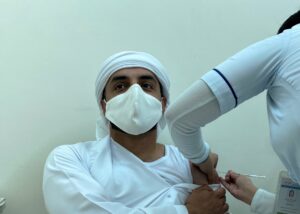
(248, 175)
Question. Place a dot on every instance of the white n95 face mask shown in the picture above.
(135, 112)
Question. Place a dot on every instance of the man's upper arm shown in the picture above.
(198, 176)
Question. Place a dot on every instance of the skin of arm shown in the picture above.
(199, 177)
(211, 201)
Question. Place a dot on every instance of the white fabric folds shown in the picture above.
(263, 202)
(103, 177)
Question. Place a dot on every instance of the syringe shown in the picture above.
(248, 175)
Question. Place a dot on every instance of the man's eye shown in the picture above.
(120, 87)
(147, 86)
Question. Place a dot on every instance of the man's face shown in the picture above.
(121, 81)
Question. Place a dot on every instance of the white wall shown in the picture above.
(50, 53)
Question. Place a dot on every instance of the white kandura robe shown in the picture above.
(103, 177)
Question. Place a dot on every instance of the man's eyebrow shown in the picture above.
(148, 77)
(142, 77)
(117, 78)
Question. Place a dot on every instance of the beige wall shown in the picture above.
(50, 53)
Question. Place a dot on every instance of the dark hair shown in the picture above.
(290, 22)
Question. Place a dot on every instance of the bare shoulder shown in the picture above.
(198, 176)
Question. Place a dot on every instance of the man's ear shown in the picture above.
(103, 106)
(164, 103)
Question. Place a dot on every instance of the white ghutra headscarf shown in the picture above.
(128, 59)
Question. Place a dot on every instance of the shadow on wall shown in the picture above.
(23, 187)
(2, 204)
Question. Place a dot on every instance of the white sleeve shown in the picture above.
(247, 73)
(239, 78)
(190, 111)
(263, 202)
(69, 188)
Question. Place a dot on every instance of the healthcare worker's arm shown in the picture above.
(184, 121)
(239, 78)
(242, 188)
(69, 188)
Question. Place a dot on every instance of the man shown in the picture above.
(128, 171)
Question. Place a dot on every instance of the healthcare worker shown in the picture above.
(127, 171)
(273, 65)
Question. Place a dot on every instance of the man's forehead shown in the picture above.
(132, 73)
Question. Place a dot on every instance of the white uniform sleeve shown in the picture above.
(193, 109)
(69, 188)
(263, 202)
(239, 78)
(247, 73)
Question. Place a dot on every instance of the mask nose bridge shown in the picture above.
(136, 89)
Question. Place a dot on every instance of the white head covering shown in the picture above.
(128, 59)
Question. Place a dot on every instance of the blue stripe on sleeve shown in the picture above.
(229, 85)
